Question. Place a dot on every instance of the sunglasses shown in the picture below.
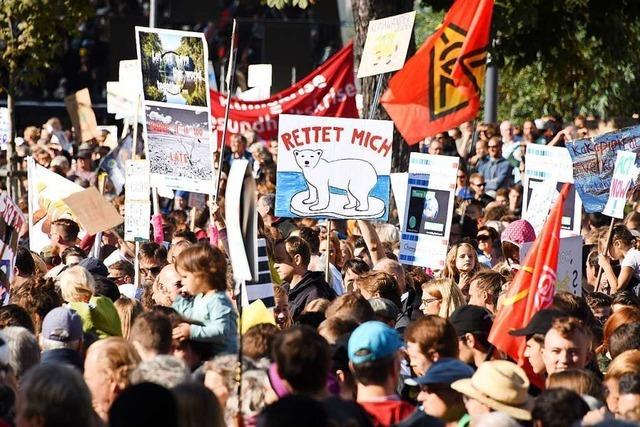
(153, 270)
(483, 238)
(479, 184)
(493, 146)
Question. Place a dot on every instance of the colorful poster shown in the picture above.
(175, 90)
(137, 206)
(82, 116)
(624, 173)
(46, 193)
(11, 225)
(569, 274)
(428, 210)
(333, 168)
(593, 163)
(386, 46)
(543, 163)
(329, 91)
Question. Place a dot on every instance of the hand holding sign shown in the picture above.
(624, 173)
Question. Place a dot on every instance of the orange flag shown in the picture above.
(439, 87)
(532, 288)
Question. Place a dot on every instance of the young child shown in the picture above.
(623, 249)
(203, 269)
(461, 264)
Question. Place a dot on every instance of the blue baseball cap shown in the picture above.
(182, 194)
(373, 341)
(445, 371)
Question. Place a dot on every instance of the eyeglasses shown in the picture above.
(430, 300)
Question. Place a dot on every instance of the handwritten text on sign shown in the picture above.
(327, 134)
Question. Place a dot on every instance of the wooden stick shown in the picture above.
(231, 74)
(328, 263)
(136, 265)
(606, 249)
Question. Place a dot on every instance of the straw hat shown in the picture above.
(502, 386)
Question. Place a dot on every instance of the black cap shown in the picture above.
(540, 323)
(95, 266)
(84, 154)
(471, 319)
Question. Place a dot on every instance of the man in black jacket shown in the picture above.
(303, 286)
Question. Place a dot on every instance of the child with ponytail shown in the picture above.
(203, 269)
(622, 248)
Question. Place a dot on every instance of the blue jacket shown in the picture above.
(497, 173)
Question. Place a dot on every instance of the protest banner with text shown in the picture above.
(333, 168)
(11, 224)
(624, 173)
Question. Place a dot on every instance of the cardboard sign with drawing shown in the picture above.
(333, 168)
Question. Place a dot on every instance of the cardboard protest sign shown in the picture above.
(429, 210)
(328, 91)
(92, 211)
(544, 163)
(333, 168)
(82, 116)
(593, 163)
(46, 193)
(11, 223)
(137, 207)
(569, 274)
(386, 46)
(4, 128)
(175, 85)
(624, 173)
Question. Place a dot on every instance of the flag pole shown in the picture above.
(606, 251)
(229, 80)
(326, 267)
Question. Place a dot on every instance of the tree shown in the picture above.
(32, 35)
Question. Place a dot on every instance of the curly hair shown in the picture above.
(38, 296)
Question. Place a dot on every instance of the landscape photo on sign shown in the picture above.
(330, 167)
(174, 67)
(178, 142)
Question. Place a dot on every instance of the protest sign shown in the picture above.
(544, 163)
(593, 163)
(197, 200)
(385, 48)
(333, 168)
(114, 163)
(262, 287)
(137, 207)
(540, 202)
(82, 116)
(624, 173)
(259, 75)
(429, 210)
(569, 274)
(11, 224)
(175, 86)
(46, 193)
(328, 91)
(4, 128)
(92, 211)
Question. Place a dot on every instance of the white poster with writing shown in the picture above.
(624, 173)
(137, 206)
(428, 210)
(333, 168)
(552, 163)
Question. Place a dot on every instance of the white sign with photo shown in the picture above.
(428, 209)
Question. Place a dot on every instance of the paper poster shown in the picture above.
(137, 206)
(260, 75)
(262, 287)
(197, 200)
(333, 168)
(569, 274)
(593, 163)
(11, 223)
(46, 193)
(92, 211)
(542, 197)
(385, 49)
(624, 173)
(175, 89)
(428, 210)
(82, 116)
(543, 163)
(4, 128)
(124, 96)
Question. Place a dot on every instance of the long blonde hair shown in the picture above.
(448, 292)
(128, 309)
(450, 271)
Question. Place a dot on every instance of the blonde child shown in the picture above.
(461, 264)
(203, 270)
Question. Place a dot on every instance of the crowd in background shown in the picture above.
(378, 343)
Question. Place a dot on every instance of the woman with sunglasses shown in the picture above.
(489, 253)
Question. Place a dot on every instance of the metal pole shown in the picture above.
(152, 13)
(491, 92)
(328, 252)
(376, 97)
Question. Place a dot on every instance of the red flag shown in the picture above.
(533, 287)
(439, 87)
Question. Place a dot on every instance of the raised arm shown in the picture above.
(371, 239)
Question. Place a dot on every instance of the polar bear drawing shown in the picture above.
(357, 177)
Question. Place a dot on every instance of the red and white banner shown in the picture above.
(328, 91)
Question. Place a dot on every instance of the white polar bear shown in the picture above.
(357, 177)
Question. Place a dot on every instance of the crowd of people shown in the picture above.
(356, 339)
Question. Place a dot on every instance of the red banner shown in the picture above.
(328, 91)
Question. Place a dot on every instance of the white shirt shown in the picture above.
(632, 259)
